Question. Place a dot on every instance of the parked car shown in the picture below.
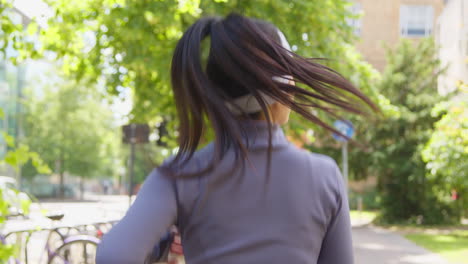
(45, 190)
(68, 191)
(18, 201)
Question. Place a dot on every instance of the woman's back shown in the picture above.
(244, 215)
(296, 213)
(250, 196)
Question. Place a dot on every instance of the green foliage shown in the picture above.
(13, 34)
(6, 251)
(391, 147)
(20, 154)
(72, 130)
(446, 153)
(410, 83)
(130, 43)
(370, 200)
(147, 157)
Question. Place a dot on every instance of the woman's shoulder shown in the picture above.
(321, 160)
(312, 158)
(188, 165)
(319, 167)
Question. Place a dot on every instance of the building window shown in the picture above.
(416, 20)
(356, 21)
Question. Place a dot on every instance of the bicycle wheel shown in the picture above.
(19, 241)
(79, 250)
(56, 237)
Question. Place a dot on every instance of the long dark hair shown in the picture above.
(244, 56)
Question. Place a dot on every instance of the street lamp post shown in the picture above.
(344, 152)
(134, 134)
(346, 129)
(132, 162)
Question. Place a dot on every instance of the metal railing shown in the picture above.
(43, 245)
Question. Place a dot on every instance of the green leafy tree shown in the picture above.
(73, 131)
(129, 44)
(446, 153)
(410, 83)
(147, 157)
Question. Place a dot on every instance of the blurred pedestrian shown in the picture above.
(250, 196)
(454, 195)
(105, 186)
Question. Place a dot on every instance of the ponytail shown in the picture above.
(189, 82)
(246, 58)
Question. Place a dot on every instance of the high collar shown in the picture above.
(255, 134)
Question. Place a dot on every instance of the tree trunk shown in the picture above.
(81, 188)
(62, 185)
(61, 171)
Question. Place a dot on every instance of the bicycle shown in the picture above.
(81, 248)
(64, 244)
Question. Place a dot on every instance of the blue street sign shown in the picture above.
(345, 127)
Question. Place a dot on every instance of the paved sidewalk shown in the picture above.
(374, 245)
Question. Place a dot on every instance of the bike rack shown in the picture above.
(21, 238)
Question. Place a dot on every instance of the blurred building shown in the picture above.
(12, 83)
(452, 37)
(384, 22)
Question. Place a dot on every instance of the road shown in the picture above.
(372, 245)
(375, 245)
(94, 209)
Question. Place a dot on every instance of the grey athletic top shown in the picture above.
(238, 214)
